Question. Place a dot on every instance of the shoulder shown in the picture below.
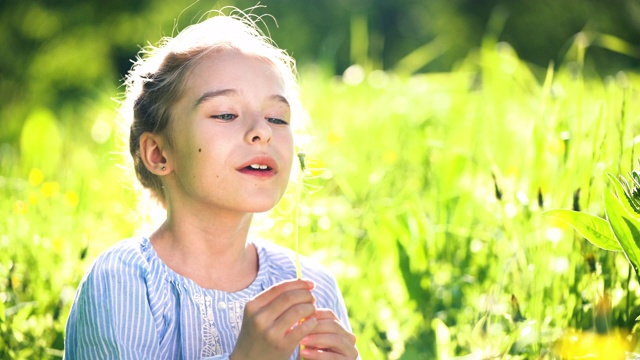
(126, 262)
(128, 254)
(118, 290)
(124, 276)
(281, 263)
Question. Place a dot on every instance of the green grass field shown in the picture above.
(424, 196)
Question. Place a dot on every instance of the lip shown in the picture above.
(262, 159)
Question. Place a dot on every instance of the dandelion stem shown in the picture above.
(296, 225)
(303, 167)
(301, 156)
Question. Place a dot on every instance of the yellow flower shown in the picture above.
(20, 207)
(35, 177)
(33, 197)
(556, 146)
(57, 244)
(50, 188)
(15, 281)
(334, 138)
(590, 345)
(71, 198)
(390, 157)
(315, 167)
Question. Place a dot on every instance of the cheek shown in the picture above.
(288, 150)
(286, 153)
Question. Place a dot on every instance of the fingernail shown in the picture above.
(310, 283)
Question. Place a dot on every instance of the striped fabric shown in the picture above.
(130, 305)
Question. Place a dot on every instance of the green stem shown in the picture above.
(296, 225)
(301, 156)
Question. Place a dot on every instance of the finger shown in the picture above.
(317, 353)
(290, 298)
(293, 317)
(333, 327)
(323, 313)
(337, 343)
(328, 322)
(298, 332)
(273, 292)
(279, 316)
(292, 305)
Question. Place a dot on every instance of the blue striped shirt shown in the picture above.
(130, 305)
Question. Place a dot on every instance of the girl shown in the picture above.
(211, 113)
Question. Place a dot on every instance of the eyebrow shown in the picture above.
(232, 92)
(212, 94)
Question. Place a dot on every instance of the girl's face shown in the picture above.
(230, 143)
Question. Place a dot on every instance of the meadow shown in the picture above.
(425, 196)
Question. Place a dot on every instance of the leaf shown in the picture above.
(625, 227)
(593, 228)
(628, 190)
(630, 204)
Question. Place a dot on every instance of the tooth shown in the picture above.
(255, 166)
(263, 167)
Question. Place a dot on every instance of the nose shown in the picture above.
(259, 132)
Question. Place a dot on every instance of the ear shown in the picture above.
(153, 154)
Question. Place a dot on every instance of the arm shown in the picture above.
(111, 317)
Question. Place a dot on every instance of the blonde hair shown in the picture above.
(155, 81)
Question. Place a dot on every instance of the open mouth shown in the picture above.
(259, 170)
(258, 167)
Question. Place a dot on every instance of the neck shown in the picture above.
(209, 247)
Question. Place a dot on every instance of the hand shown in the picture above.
(271, 328)
(329, 340)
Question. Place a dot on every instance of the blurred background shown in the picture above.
(444, 129)
(59, 53)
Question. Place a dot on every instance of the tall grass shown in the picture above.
(428, 252)
(425, 199)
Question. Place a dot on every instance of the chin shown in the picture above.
(260, 206)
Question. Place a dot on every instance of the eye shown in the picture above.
(225, 117)
(277, 121)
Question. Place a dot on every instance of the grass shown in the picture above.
(425, 199)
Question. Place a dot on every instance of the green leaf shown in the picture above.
(627, 201)
(592, 228)
(625, 227)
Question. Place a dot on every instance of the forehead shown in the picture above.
(230, 68)
(229, 72)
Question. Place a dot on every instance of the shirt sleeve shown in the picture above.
(341, 312)
(111, 317)
(329, 295)
(341, 309)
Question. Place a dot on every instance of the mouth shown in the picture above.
(258, 167)
(258, 170)
(261, 166)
